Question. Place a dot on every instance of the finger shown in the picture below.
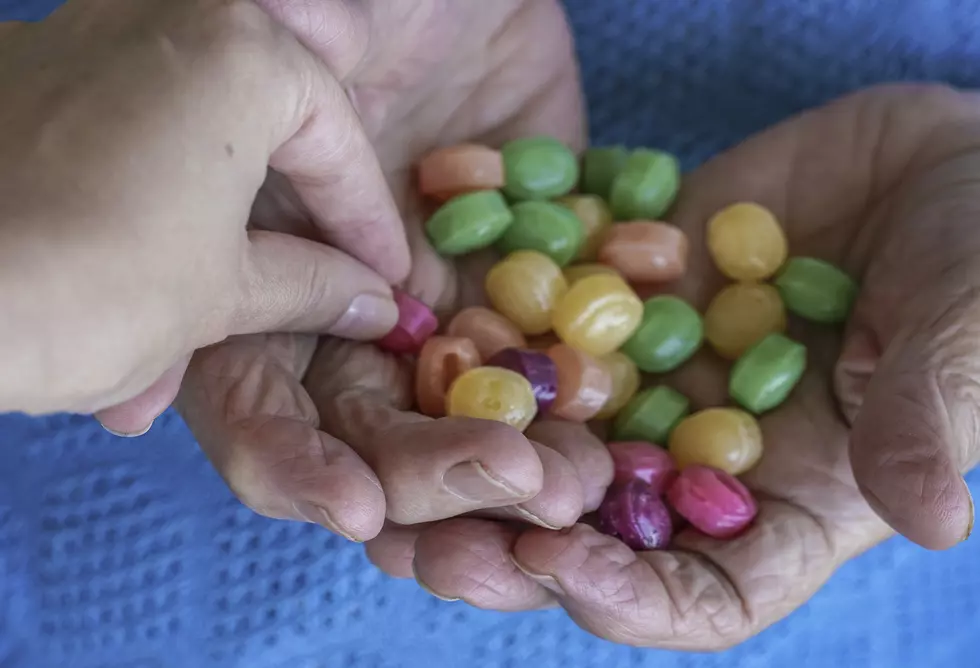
(587, 454)
(469, 560)
(429, 469)
(333, 168)
(393, 551)
(253, 419)
(707, 595)
(296, 285)
(560, 501)
(135, 416)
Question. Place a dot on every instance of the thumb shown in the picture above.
(916, 428)
(291, 284)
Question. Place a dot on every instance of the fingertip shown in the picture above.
(393, 550)
(503, 452)
(135, 417)
(561, 500)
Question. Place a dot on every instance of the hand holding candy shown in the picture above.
(910, 335)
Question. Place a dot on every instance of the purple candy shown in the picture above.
(538, 368)
(635, 514)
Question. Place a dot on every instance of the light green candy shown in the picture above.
(548, 228)
(766, 373)
(670, 333)
(816, 290)
(650, 415)
(538, 168)
(646, 186)
(469, 222)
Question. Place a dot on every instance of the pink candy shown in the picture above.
(538, 368)
(634, 513)
(713, 501)
(638, 459)
(416, 323)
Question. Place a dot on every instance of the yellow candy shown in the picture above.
(597, 314)
(596, 220)
(723, 438)
(524, 287)
(741, 315)
(625, 383)
(577, 272)
(746, 242)
(493, 393)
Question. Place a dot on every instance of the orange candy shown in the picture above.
(490, 331)
(646, 252)
(441, 361)
(584, 384)
(525, 287)
(455, 170)
(596, 220)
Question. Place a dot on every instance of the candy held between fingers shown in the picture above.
(416, 323)
(525, 287)
(764, 376)
(442, 360)
(646, 186)
(646, 251)
(746, 242)
(671, 332)
(625, 382)
(596, 219)
(538, 168)
(584, 384)
(635, 514)
(469, 222)
(644, 461)
(544, 227)
(728, 439)
(816, 290)
(492, 393)
(651, 415)
(714, 502)
(456, 170)
(538, 368)
(488, 330)
(600, 167)
(741, 315)
(597, 314)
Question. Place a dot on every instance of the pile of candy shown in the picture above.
(567, 281)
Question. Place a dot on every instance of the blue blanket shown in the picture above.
(131, 553)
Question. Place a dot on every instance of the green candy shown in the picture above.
(766, 373)
(646, 186)
(469, 222)
(816, 290)
(671, 331)
(538, 168)
(651, 415)
(600, 166)
(548, 228)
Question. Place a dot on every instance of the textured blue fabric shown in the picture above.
(132, 554)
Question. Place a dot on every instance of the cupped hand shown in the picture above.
(885, 184)
(136, 136)
(290, 421)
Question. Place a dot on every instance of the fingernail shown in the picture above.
(969, 528)
(427, 589)
(472, 482)
(317, 515)
(534, 519)
(369, 316)
(547, 581)
(132, 435)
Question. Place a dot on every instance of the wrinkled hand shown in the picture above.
(316, 430)
(136, 136)
(886, 184)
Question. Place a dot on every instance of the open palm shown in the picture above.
(885, 184)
